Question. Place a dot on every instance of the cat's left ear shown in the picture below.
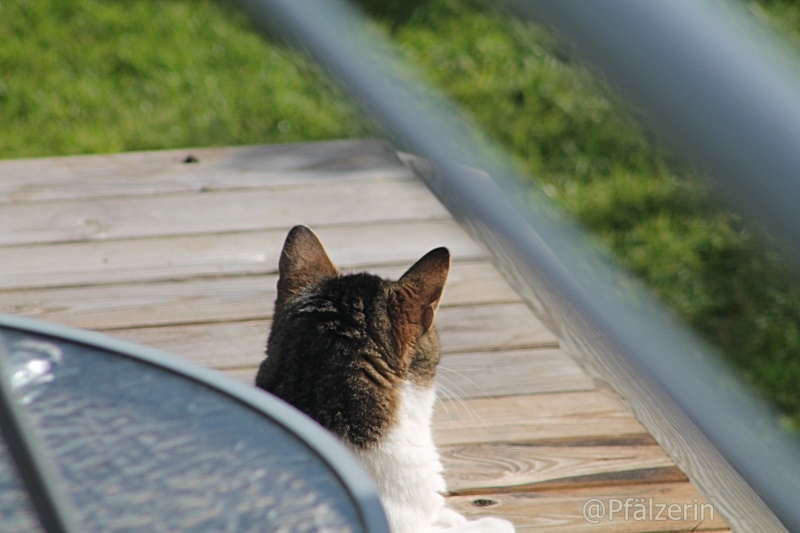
(418, 291)
(303, 262)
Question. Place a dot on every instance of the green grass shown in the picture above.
(94, 76)
(592, 158)
(91, 76)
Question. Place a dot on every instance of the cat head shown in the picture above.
(342, 346)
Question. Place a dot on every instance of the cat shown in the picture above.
(358, 354)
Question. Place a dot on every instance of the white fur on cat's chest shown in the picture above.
(406, 467)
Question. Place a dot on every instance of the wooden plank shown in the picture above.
(241, 344)
(508, 467)
(563, 511)
(246, 374)
(533, 418)
(201, 299)
(162, 172)
(153, 259)
(220, 346)
(509, 373)
(217, 211)
(490, 328)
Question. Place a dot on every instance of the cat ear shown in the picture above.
(303, 262)
(417, 293)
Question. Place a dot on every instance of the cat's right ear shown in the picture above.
(303, 262)
(415, 297)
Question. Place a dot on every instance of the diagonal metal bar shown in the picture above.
(532, 244)
(723, 92)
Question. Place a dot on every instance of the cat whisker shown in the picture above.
(449, 388)
(458, 401)
(470, 381)
(445, 394)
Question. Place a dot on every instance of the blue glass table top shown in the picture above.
(141, 447)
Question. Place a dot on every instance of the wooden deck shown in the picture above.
(181, 254)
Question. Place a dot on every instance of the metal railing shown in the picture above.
(729, 106)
